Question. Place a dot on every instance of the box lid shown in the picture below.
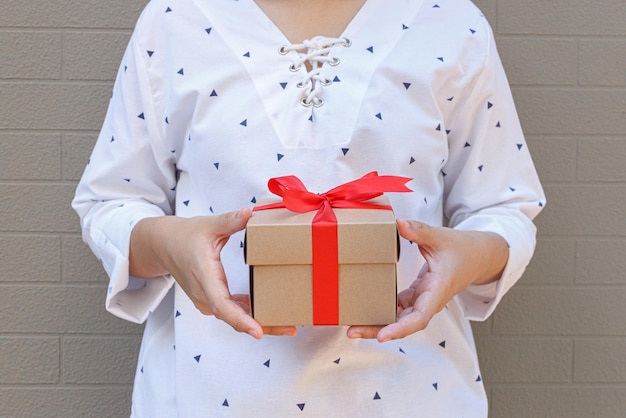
(279, 236)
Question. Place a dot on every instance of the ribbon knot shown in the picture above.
(325, 259)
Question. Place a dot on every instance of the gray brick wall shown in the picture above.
(555, 347)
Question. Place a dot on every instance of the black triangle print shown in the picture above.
(181, 71)
(336, 80)
(197, 358)
(478, 379)
(177, 314)
(186, 202)
(519, 146)
(467, 144)
(279, 156)
(376, 396)
(443, 344)
(438, 128)
(217, 165)
(480, 168)
(498, 125)
(253, 199)
(401, 350)
(301, 406)
(247, 54)
(208, 30)
(370, 49)
(345, 150)
(267, 364)
(244, 122)
(168, 10)
(337, 361)
(379, 116)
(213, 93)
(150, 53)
(473, 31)
(489, 105)
(411, 161)
(404, 27)
(141, 116)
(283, 85)
(127, 180)
(112, 139)
(436, 386)
(440, 59)
(225, 403)
(407, 85)
(211, 209)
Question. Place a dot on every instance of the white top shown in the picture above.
(205, 110)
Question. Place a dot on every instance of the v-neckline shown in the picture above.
(350, 27)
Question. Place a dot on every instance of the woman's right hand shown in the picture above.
(189, 249)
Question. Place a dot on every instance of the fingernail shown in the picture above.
(355, 335)
(254, 334)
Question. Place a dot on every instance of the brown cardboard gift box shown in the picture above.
(278, 250)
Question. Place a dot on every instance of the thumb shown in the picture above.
(228, 223)
(415, 231)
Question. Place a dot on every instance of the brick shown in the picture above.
(571, 111)
(561, 17)
(92, 56)
(554, 157)
(602, 62)
(554, 262)
(480, 328)
(562, 311)
(29, 360)
(557, 401)
(600, 360)
(53, 106)
(79, 263)
(525, 360)
(583, 209)
(30, 156)
(30, 258)
(71, 14)
(602, 159)
(67, 402)
(104, 360)
(600, 261)
(539, 61)
(76, 150)
(488, 7)
(37, 208)
(30, 55)
(60, 310)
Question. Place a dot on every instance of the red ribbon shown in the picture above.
(325, 255)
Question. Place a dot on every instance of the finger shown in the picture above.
(363, 331)
(232, 310)
(228, 223)
(411, 320)
(414, 231)
(288, 331)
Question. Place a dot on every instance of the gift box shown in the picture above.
(332, 265)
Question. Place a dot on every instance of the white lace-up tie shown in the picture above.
(315, 52)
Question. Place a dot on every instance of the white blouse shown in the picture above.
(211, 101)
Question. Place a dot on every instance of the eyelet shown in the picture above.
(326, 82)
(319, 102)
(283, 50)
(304, 102)
(301, 84)
(346, 42)
(294, 68)
(334, 62)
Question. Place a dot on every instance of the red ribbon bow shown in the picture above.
(354, 195)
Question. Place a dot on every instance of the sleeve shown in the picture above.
(490, 181)
(130, 176)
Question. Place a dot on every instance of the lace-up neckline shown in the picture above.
(312, 55)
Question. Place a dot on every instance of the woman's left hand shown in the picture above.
(455, 259)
